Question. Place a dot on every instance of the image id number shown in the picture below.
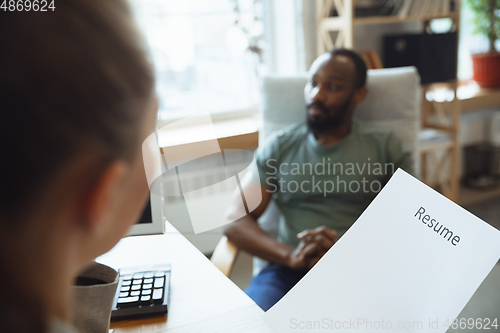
(27, 5)
(473, 324)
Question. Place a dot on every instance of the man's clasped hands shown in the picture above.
(313, 245)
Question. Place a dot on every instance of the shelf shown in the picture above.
(400, 19)
(473, 98)
(335, 23)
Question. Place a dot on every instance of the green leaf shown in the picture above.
(483, 16)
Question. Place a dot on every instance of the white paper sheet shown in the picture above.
(391, 271)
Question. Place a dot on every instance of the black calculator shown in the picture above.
(142, 291)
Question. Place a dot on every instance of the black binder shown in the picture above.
(434, 55)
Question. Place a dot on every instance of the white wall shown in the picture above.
(285, 36)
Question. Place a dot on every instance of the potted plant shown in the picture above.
(486, 21)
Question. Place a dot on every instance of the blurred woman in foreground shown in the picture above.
(76, 102)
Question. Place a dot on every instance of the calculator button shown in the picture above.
(145, 298)
(146, 292)
(148, 280)
(160, 274)
(136, 287)
(148, 275)
(127, 277)
(124, 294)
(147, 286)
(126, 283)
(135, 293)
(159, 282)
(157, 293)
(138, 275)
(126, 300)
(126, 288)
(139, 281)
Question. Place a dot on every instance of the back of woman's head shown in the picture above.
(72, 81)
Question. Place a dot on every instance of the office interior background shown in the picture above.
(211, 56)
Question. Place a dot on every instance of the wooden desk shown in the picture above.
(202, 299)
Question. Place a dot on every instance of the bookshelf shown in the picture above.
(397, 19)
(439, 161)
(343, 24)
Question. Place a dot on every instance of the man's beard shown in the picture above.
(327, 122)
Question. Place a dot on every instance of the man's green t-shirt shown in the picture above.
(315, 185)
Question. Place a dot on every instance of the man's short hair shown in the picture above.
(359, 63)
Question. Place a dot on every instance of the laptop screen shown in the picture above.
(151, 220)
(146, 216)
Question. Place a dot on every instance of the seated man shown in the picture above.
(322, 175)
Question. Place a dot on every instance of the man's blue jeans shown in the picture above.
(272, 283)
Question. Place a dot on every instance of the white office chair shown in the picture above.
(393, 102)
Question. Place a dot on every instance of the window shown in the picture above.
(201, 56)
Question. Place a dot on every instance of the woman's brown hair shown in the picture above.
(71, 80)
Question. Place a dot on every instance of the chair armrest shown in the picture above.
(224, 255)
